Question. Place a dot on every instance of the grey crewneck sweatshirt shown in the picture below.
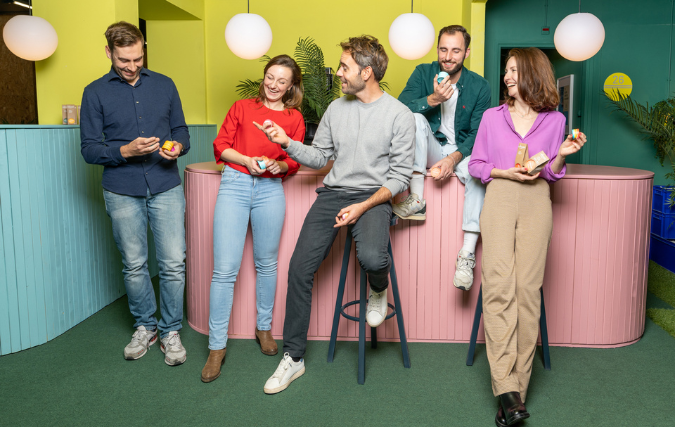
(373, 144)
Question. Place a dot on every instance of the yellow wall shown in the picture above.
(80, 56)
(194, 54)
(328, 23)
(176, 49)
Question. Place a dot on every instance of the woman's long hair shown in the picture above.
(293, 97)
(536, 80)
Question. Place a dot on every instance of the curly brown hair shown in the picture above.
(536, 79)
(367, 52)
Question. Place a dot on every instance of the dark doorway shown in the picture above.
(18, 94)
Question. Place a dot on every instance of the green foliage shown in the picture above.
(657, 122)
(319, 92)
(321, 87)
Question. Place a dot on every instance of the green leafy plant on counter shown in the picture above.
(658, 123)
(321, 84)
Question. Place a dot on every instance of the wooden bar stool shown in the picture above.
(340, 310)
(476, 323)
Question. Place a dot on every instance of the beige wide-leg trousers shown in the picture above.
(516, 225)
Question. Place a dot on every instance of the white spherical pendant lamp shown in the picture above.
(30, 37)
(579, 36)
(248, 35)
(411, 35)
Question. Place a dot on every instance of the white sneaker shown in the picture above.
(377, 308)
(174, 352)
(286, 373)
(464, 270)
(411, 208)
(140, 341)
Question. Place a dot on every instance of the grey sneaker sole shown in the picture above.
(285, 386)
(170, 362)
(141, 354)
(418, 216)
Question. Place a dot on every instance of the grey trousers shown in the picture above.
(371, 235)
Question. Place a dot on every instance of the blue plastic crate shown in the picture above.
(660, 199)
(662, 252)
(663, 225)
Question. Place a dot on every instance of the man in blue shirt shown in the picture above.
(126, 115)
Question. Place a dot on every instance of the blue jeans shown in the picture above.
(242, 196)
(429, 151)
(166, 214)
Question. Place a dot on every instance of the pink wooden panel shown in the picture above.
(595, 281)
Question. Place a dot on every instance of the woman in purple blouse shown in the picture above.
(516, 220)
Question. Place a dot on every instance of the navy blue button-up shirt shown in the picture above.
(114, 113)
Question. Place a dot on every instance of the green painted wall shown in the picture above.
(638, 42)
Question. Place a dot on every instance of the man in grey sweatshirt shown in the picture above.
(372, 136)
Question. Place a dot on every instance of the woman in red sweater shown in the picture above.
(250, 188)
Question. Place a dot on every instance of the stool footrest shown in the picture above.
(340, 311)
(356, 319)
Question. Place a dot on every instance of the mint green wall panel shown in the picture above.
(58, 260)
(638, 42)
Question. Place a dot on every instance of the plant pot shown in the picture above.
(310, 131)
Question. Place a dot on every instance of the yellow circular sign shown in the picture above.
(618, 82)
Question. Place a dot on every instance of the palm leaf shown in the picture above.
(657, 122)
(248, 88)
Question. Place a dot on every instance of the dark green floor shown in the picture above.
(81, 378)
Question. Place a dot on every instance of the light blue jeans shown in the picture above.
(166, 214)
(242, 196)
(429, 151)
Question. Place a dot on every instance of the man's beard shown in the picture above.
(458, 67)
(353, 89)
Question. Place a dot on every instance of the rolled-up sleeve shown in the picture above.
(556, 141)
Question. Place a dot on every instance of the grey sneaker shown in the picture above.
(464, 270)
(286, 373)
(411, 208)
(377, 308)
(140, 341)
(174, 352)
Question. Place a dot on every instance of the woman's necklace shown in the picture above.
(525, 116)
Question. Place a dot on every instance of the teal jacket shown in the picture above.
(473, 100)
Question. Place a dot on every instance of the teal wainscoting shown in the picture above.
(58, 261)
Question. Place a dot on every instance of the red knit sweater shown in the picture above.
(239, 132)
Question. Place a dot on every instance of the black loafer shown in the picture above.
(500, 419)
(514, 408)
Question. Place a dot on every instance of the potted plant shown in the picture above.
(658, 122)
(320, 83)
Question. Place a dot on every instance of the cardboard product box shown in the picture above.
(536, 163)
(72, 114)
(78, 114)
(64, 113)
(521, 155)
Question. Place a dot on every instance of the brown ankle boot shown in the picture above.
(211, 370)
(267, 344)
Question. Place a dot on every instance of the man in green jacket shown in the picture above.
(448, 101)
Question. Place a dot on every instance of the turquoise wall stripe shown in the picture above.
(58, 260)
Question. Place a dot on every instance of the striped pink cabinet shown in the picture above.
(596, 273)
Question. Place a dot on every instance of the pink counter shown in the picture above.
(596, 273)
